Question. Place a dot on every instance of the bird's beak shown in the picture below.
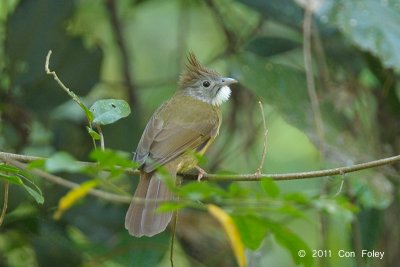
(228, 81)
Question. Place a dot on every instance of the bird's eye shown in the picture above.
(206, 83)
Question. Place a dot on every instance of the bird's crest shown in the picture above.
(194, 70)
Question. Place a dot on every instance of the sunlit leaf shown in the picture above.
(35, 193)
(201, 191)
(299, 198)
(67, 201)
(338, 207)
(29, 185)
(38, 164)
(9, 168)
(93, 133)
(292, 242)
(107, 111)
(63, 161)
(11, 178)
(270, 187)
(252, 230)
(172, 206)
(362, 22)
(232, 232)
(235, 190)
(284, 11)
(112, 158)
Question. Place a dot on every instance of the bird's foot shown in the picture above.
(201, 173)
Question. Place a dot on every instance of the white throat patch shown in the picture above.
(222, 96)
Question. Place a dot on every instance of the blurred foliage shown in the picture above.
(108, 50)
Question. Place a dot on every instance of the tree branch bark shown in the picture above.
(8, 157)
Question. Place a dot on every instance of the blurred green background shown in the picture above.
(135, 50)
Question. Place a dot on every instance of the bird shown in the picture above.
(182, 126)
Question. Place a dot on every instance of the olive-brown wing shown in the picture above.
(175, 139)
(165, 141)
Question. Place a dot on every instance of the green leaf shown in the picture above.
(339, 207)
(34, 191)
(8, 168)
(237, 191)
(201, 191)
(283, 87)
(93, 133)
(63, 161)
(171, 206)
(252, 230)
(291, 241)
(270, 46)
(111, 158)
(299, 198)
(370, 24)
(284, 11)
(11, 178)
(107, 111)
(36, 194)
(18, 178)
(374, 190)
(270, 187)
(38, 164)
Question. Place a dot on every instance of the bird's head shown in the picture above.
(204, 84)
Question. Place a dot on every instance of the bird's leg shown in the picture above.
(201, 173)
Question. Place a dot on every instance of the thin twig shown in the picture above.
(341, 186)
(264, 151)
(65, 88)
(307, 26)
(100, 132)
(5, 203)
(174, 223)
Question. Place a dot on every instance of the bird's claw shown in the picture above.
(201, 173)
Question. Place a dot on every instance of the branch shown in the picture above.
(127, 70)
(65, 183)
(303, 175)
(307, 27)
(24, 158)
(230, 36)
(264, 150)
(9, 158)
(62, 85)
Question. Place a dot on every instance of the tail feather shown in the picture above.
(132, 218)
(142, 218)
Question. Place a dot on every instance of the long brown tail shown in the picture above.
(142, 219)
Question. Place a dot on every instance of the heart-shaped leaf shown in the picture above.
(107, 111)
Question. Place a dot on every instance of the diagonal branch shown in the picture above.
(127, 70)
(65, 183)
(307, 30)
